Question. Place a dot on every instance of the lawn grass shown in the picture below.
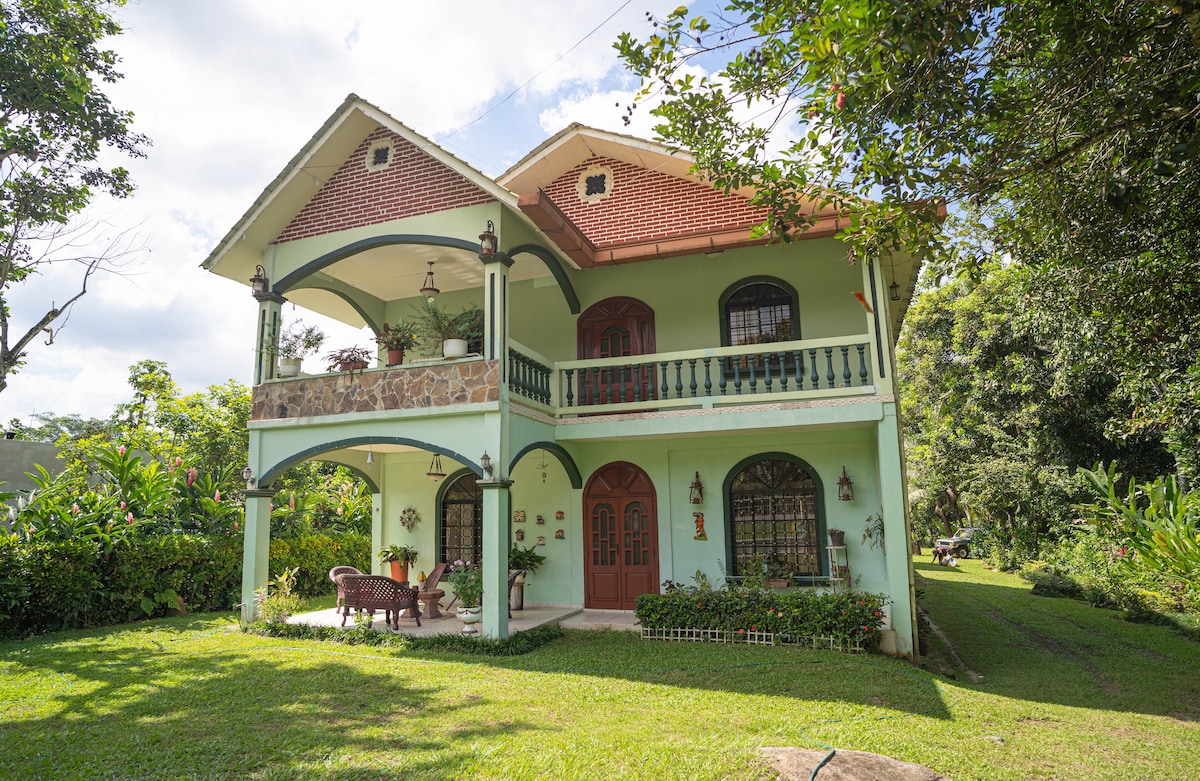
(1067, 692)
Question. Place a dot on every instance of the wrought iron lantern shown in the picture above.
(894, 288)
(696, 491)
(845, 487)
(485, 461)
(487, 242)
(259, 283)
(248, 476)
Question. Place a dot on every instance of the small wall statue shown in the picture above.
(699, 519)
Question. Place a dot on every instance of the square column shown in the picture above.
(896, 532)
(497, 504)
(257, 547)
(266, 340)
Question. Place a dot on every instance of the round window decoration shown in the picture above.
(379, 155)
(595, 183)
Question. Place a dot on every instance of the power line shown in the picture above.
(557, 60)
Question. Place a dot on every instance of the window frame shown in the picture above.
(445, 489)
(822, 569)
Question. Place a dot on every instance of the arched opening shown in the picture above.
(620, 537)
(460, 519)
(774, 511)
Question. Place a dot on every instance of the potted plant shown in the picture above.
(399, 556)
(873, 532)
(837, 538)
(296, 342)
(349, 359)
(467, 581)
(454, 331)
(397, 339)
(523, 561)
(778, 572)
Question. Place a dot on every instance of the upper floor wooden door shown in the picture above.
(613, 328)
(621, 537)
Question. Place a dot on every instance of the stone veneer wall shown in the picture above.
(410, 387)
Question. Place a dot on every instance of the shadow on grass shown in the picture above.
(1059, 651)
(232, 712)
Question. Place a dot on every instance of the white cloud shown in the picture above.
(229, 91)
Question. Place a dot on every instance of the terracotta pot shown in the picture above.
(395, 357)
(399, 571)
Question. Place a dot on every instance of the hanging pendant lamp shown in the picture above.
(429, 290)
(435, 468)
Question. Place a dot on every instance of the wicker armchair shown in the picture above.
(375, 592)
(334, 576)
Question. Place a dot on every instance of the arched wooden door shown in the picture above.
(615, 328)
(621, 537)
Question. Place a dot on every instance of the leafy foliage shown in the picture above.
(794, 612)
(54, 121)
(516, 644)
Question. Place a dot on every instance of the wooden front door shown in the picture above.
(621, 539)
(613, 328)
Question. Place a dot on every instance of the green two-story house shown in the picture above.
(656, 392)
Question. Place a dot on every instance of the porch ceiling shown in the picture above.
(396, 272)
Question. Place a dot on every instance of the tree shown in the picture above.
(54, 119)
(1073, 128)
(992, 426)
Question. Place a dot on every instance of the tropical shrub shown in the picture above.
(795, 613)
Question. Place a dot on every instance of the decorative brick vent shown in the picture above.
(418, 387)
(385, 178)
(642, 205)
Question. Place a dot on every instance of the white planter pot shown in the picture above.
(470, 616)
(290, 367)
(454, 348)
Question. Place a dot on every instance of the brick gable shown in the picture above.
(413, 183)
(646, 205)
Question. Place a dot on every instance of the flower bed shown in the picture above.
(846, 621)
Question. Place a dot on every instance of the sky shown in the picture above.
(228, 91)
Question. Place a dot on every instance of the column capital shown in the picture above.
(493, 484)
(259, 493)
(496, 257)
(271, 296)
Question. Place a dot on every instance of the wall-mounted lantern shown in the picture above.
(487, 242)
(485, 461)
(696, 491)
(845, 487)
(248, 476)
(259, 283)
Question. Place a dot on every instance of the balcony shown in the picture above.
(710, 377)
(839, 367)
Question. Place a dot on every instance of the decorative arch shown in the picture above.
(777, 513)
(560, 274)
(559, 452)
(270, 474)
(785, 292)
(341, 253)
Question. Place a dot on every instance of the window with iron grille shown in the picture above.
(760, 313)
(774, 513)
(461, 534)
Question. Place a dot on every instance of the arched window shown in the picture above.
(759, 311)
(775, 513)
(461, 532)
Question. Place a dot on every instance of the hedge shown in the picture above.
(48, 586)
(796, 613)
